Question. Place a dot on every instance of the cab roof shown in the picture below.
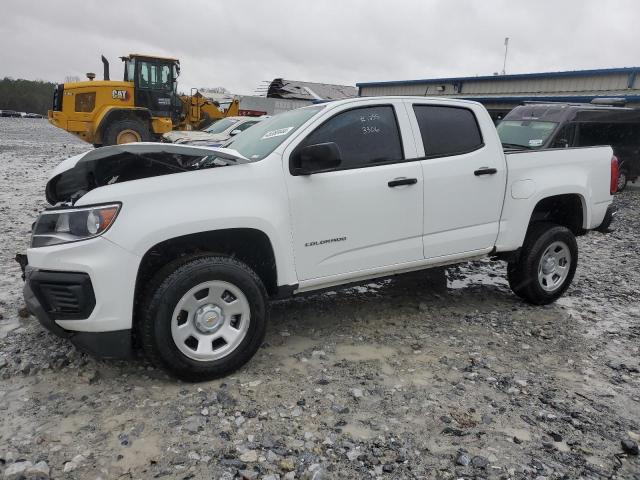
(142, 55)
(572, 112)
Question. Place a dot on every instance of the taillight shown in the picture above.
(615, 173)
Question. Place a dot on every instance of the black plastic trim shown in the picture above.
(402, 181)
(485, 171)
(511, 256)
(115, 345)
(285, 291)
(41, 283)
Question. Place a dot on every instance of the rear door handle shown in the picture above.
(402, 181)
(485, 171)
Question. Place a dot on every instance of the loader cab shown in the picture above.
(155, 81)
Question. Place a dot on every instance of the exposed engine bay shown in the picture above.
(124, 163)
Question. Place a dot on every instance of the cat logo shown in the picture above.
(120, 95)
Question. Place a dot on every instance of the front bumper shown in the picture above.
(50, 295)
(84, 291)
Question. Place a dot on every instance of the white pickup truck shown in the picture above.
(178, 248)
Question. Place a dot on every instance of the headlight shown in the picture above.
(54, 227)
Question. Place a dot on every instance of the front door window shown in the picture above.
(155, 76)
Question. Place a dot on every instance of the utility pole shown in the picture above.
(506, 49)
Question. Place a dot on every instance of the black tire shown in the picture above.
(164, 293)
(523, 274)
(112, 130)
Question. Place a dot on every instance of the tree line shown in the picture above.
(31, 96)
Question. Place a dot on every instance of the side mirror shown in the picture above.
(235, 132)
(317, 158)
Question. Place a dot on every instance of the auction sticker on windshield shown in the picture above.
(277, 133)
(535, 142)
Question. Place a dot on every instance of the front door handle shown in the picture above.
(402, 181)
(485, 171)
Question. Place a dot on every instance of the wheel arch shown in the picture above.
(248, 245)
(566, 209)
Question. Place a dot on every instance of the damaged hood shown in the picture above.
(82, 173)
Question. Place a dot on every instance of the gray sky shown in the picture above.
(237, 44)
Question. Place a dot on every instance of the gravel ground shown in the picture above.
(390, 380)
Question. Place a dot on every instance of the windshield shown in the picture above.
(263, 138)
(525, 133)
(221, 125)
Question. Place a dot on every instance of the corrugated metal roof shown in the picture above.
(518, 76)
(297, 90)
(549, 98)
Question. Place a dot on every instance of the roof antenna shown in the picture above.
(506, 49)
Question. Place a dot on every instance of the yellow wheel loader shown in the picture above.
(140, 108)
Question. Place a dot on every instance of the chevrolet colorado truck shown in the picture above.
(178, 249)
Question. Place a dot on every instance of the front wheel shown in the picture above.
(546, 265)
(203, 317)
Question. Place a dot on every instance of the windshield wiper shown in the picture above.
(516, 145)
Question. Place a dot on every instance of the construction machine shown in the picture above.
(141, 107)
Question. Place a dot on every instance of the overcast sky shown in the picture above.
(238, 44)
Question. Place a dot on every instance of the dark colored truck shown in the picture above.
(535, 126)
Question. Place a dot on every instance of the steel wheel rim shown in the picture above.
(554, 266)
(128, 136)
(210, 320)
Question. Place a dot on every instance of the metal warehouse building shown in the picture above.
(500, 93)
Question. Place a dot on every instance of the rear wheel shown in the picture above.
(546, 265)
(128, 130)
(204, 317)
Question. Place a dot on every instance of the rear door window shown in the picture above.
(596, 134)
(366, 136)
(447, 130)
